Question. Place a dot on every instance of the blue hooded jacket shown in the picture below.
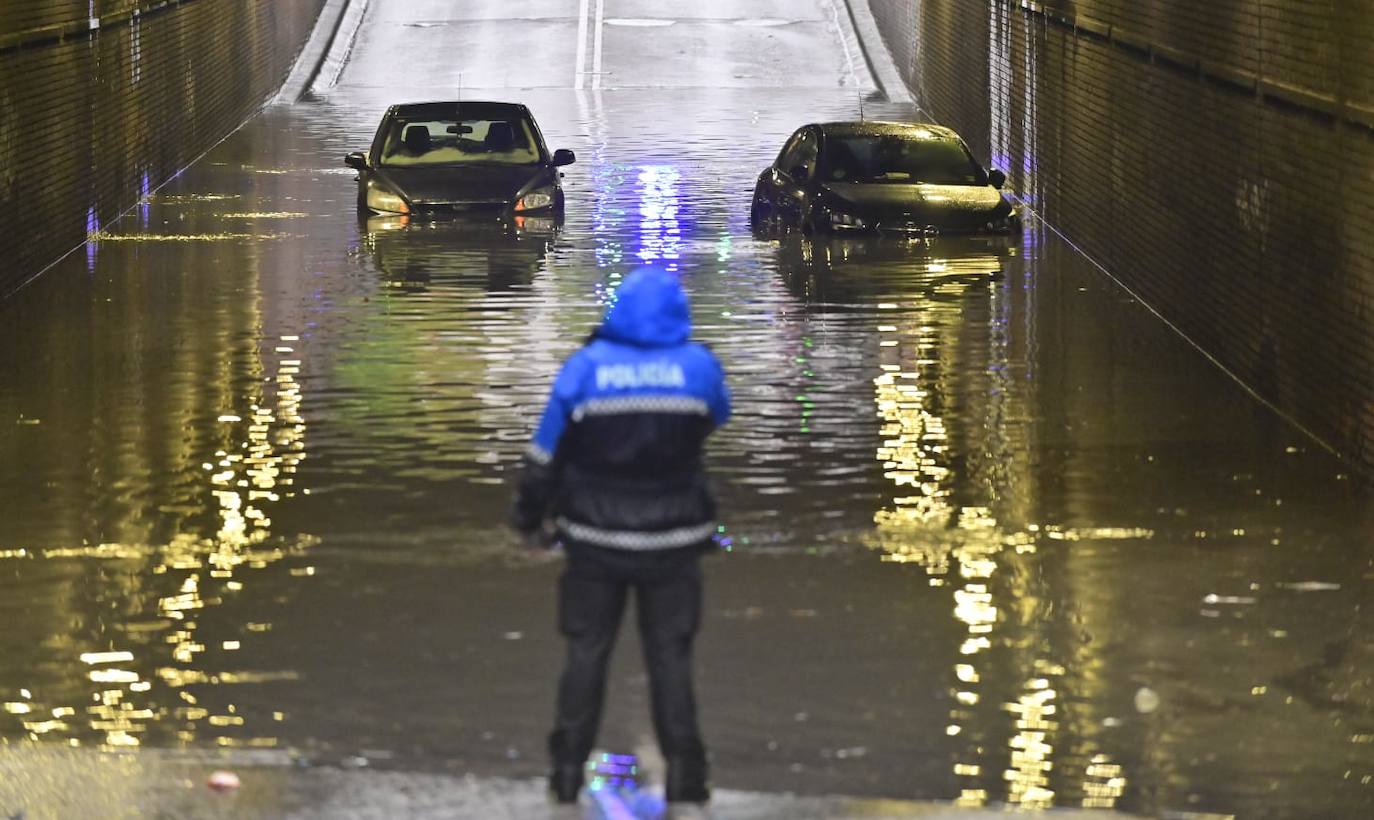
(616, 458)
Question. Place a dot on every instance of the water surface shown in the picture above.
(996, 534)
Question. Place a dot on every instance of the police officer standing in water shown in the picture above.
(616, 464)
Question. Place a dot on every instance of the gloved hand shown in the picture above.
(536, 539)
(537, 546)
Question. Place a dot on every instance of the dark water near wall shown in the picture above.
(985, 510)
(1230, 204)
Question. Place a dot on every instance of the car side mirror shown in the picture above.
(996, 178)
(563, 157)
(799, 173)
(356, 160)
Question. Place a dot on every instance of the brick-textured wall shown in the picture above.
(1217, 158)
(101, 100)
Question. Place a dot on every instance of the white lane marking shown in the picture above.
(644, 22)
(839, 32)
(580, 72)
(596, 43)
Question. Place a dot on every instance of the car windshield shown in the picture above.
(895, 158)
(421, 142)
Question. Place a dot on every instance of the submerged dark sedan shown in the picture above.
(479, 159)
(880, 177)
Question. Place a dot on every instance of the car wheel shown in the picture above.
(759, 217)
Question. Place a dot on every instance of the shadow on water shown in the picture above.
(422, 256)
(836, 271)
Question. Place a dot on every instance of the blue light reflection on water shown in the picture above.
(656, 229)
(659, 235)
(145, 193)
(92, 242)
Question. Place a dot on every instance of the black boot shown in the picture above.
(687, 781)
(565, 782)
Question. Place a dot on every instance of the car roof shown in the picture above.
(914, 130)
(451, 108)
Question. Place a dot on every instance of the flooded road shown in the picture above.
(997, 535)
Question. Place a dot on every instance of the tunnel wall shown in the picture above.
(1217, 158)
(103, 100)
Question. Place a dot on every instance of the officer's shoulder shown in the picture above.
(579, 362)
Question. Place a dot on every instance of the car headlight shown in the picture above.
(843, 220)
(534, 200)
(380, 199)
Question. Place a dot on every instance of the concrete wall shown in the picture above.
(1217, 158)
(102, 100)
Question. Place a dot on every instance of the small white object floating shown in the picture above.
(222, 781)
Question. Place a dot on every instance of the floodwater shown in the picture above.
(996, 533)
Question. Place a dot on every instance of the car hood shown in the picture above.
(474, 183)
(939, 205)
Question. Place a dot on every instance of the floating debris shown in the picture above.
(1213, 598)
(223, 781)
(1146, 700)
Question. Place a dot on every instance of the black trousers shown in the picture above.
(591, 599)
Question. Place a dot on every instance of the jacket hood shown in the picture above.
(650, 310)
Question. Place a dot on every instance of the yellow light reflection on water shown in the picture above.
(260, 444)
(1103, 784)
(947, 522)
(243, 479)
(1028, 774)
(106, 657)
(104, 236)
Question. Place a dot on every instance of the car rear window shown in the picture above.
(898, 159)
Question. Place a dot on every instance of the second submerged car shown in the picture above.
(478, 159)
(885, 177)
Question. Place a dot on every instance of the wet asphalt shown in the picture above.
(998, 536)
